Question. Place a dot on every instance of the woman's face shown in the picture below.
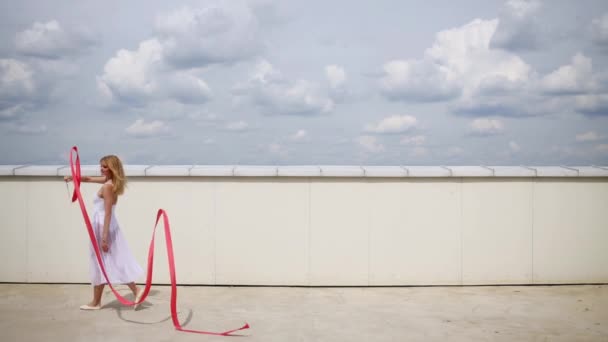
(105, 171)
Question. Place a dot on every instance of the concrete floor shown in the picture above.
(30, 312)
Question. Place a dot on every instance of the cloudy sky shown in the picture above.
(385, 82)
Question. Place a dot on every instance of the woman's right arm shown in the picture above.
(87, 179)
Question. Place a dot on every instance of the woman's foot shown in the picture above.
(91, 306)
(140, 293)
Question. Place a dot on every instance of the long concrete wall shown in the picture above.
(323, 230)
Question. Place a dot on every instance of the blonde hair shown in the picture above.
(119, 180)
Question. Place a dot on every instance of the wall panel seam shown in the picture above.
(461, 231)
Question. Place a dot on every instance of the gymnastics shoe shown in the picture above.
(88, 307)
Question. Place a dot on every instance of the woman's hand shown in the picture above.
(105, 246)
(67, 178)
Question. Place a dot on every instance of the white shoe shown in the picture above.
(88, 307)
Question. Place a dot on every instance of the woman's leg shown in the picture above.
(133, 288)
(97, 292)
(136, 293)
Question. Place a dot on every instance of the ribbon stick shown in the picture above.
(77, 196)
(67, 188)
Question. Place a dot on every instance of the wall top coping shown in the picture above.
(315, 171)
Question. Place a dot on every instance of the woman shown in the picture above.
(119, 263)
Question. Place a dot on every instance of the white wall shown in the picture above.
(323, 230)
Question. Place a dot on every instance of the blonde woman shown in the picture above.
(118, 260)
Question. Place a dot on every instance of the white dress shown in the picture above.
(121, 267)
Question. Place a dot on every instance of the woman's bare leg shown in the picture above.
(136, 292)
(97, 292)
(133, 288)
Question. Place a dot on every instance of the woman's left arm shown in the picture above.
(108, 199)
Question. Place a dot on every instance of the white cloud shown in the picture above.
(29, 129)
(218, 33)
(603, 148)
(465, 55)
(17, 87)
(190, 58)
(15, 78)
(338, 90)
(130, 75)
(575, 78)
(460, 64)
(486, 127)
(336, 75)
(32, 82)
(277, 149)
(10, 111)
(486, 75)
(417, 81)
(266, 73)
(419, 151)
(237, 126)
(416, 140)
(522, 8)
(140, 76)
(300, 135)
(518, 28)
(50, 40)
(589, 136)
(370, 144)
(274, 94)
(167, 66)
(496, 82)
(187, 88)
(203, 116)
(592, 104)
(599, 29)
(142, 129)
(493, 106)
(571, 152)
(454, 151)
(393, 124)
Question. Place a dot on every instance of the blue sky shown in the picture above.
(465, 82)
